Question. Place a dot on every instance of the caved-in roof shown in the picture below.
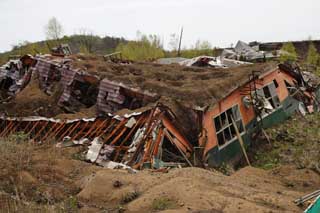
(191, 86)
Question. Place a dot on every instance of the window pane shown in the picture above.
(271, 102)
(229, 114)
(272, 89)
(224, 121)
(275, 83)
(221, 140)
(227, 134)
(266, 92)
(217, 123)
(260, 93)
(233, 131)
(276, 101)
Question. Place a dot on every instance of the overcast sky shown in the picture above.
(221, 22)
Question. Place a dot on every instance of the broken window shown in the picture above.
(270, 97)
(291, 89)
(225, 130)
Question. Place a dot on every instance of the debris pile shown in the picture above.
(243, 52)
(217, 62)
(141, 139)
(146, 114)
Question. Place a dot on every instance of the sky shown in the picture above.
(221, 22)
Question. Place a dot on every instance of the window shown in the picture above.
(224, 128)
(271, 99)
(291, 89)
(275, 83)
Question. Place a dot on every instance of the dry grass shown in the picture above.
(29, 181)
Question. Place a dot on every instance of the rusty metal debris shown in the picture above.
(115, 139)
(133, 128)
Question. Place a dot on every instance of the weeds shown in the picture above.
(163, 203)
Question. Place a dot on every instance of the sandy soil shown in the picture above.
(54, 175)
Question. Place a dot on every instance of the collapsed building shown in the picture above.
(203, 61)
(244, 52)
(151, 115)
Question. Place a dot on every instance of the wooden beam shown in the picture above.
(70, 129)
(52, 129)
(240, 140)
(83, 128)
(42, 128)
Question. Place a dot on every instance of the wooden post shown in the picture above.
(240, 141)
(266, 136)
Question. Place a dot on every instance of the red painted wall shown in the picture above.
(234, 98)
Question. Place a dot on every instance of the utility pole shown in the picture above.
(179, 49)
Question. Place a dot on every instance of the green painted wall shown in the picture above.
(315, 207)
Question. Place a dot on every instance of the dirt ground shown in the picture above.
(49, 179)
(32, 101)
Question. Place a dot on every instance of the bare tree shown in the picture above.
(53, 29)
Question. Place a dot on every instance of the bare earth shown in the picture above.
(54, 175)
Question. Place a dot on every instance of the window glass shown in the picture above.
(272, 89)
(266, 92)
(229, 114)
(224, 120)
(227, 134)
(276, 101)
(225, 130)
(220, 138)
(217, 123)
(271, 97)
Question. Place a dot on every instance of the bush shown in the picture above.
(288, 53)
(145, 48)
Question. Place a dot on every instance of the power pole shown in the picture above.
(179, 49)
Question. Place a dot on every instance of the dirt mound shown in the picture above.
(83, 113)
(45, 177)
(32, 101)
(248, 190)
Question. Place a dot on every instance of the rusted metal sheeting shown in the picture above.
(109, 96)
(135, 139)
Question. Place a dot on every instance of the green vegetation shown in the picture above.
(288, 53)
(293, 142)
(163, 203)
(78, 43)
(145, 48)
(313, 58)
(200, 48)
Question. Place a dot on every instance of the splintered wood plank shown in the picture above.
(133, 129)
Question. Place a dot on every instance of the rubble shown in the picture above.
(152, 115)
(243, 52)
(216, 62)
